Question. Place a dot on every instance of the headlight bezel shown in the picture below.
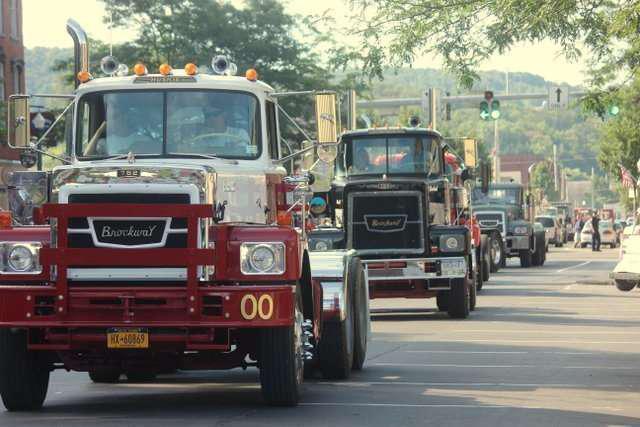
(248, 267)
(6, 249)
(446, 243)
(520, 230)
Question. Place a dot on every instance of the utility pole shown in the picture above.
(496, 144)
(430, 107)
(555, 166)
(593, 188)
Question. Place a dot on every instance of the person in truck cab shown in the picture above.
(361, 162)
(216, 121)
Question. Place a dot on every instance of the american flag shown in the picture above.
(628, 181)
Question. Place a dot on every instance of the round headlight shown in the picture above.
(451, 243)
(262, 258)
(520, 230)
(321, 246)
(20, 258)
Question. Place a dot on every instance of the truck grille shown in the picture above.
(382, 222)
(125, 232)
(491, 220)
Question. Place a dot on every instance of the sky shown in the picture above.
(44, 25)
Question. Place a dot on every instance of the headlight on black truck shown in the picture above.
(451, 243)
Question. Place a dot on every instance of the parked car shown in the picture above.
(626, 273)
(608, 235)
(552, 229)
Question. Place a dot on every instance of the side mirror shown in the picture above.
(18, 121)
(485, 177)
(327, 126)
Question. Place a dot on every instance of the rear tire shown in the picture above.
(282, 360)
(24, 374)
(105, 375)
(336, 350)
(361, 313)
(485, 259)
(625, 285)
(459, 298)
(473, 292)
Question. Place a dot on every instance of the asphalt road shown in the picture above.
(546, 346)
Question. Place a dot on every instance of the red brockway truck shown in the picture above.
(165, 243)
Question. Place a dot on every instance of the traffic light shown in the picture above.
(447, 108)
(484, 110)
(495, 109)
(489, 108)
(613, 110)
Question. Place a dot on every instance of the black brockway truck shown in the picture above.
(505, 214)
(394, 202)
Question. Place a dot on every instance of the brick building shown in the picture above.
(12, 78)
(515, 166)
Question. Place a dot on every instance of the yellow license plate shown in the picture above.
(127, 338)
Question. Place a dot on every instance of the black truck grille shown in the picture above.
(386, 222)
(128, 232)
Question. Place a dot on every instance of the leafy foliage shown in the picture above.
(465, 33)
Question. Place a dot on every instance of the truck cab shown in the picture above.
(506, 208)
(392, 198)
(163, 243)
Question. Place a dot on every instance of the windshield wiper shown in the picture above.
(208, 156)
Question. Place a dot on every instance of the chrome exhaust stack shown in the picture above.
(80, 49)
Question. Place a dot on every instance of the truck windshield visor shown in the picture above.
(173, 122)
(390, 155)
(496, 196)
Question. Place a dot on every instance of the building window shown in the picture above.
(17, 77)
(13, 14)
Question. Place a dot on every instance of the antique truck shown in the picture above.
(392, 198)
(505, 208)
(165, 242)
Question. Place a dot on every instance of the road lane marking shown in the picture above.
(432, 340)
(447, 365)
(471, 384)
(542, 331)
(572, 267)
(406, 405)
(563, 353)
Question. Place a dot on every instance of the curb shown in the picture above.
(606, 282)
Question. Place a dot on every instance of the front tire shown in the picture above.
(282, 360)
(496, 249)
(442, 300)
(24, 374)
(485, 259)
(526, 258)
(625, 285)
(459, 298)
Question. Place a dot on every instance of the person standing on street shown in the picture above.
(595, 237)
(576, 231)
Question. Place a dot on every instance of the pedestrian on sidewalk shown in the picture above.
(595, 237)
(576, 231)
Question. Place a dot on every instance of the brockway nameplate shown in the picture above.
(385, 223)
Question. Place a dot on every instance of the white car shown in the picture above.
(608, 235)
(626, 274)
(551, 229)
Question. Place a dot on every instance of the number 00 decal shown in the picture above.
(250, 307)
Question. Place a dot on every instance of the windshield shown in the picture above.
(391, 155)
(497, 196)
(545, 221)
(216, 123)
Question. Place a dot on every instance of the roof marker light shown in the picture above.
(84, 76)
(191, 69)
(139, 69)
(165, 69)
(251, 75)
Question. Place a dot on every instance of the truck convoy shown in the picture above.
(391, 196)
(505, 214)
(165, 241)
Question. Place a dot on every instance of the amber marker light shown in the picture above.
(84, 76)
(190, 69)
(165, 69)
(5, 219)
(251, 74)
(139, 69)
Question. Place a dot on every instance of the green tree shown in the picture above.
(542, 180)
(465, 33)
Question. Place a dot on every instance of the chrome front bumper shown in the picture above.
(518, 242)
(415, 269)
